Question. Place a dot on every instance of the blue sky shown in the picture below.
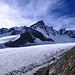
(56, 13)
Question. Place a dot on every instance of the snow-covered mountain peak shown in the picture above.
(44, 29)
(3, 30)
(39, 24)
(37, 32)
(70, 33)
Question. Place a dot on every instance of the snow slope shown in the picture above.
(62, 39)
(22, 60)
(43, 32)
(58, 38)
(4, 38)
(5, 34)
(9, 38)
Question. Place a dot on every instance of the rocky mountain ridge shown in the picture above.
(36, 33)
(29, 35)
(37, 26)
(70, 33)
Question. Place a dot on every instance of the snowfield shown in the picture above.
(9, 38)
(26, 60)
(6, 38)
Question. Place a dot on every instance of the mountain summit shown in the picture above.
(38, 24)
(38, 33)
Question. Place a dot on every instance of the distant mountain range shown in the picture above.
(37, 32)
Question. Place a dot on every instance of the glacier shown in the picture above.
(26, 60)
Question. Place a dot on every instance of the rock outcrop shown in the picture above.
(41, 27)
(48, 30)
(29, 35)
(36, 33)
(64, 66)
(70, 33)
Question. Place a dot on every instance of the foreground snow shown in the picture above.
(23, 59)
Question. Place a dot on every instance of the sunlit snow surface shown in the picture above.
(9, 38)
(6, 38)
(26, 60)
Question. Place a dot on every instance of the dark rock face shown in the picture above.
(47, 29)
(11, 29)
(29, 35)
(24, 38)
(64, 66)
(70, 33)
(42, 71)
(3, 30)
(38, 24)
(62, 31)
(15, 32)
(36, 34)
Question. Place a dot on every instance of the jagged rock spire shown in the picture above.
(38, 24)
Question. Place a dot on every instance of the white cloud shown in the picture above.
(61, 22)
(16, 15)
(10, 17)
(19, 12)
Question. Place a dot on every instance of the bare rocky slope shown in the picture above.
(64, 66)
